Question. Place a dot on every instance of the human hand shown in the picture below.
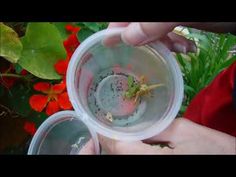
(88, 148)
(143, 33)
(138, 34)
(182, 136)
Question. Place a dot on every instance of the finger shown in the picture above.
(120, 147)
(111, 41)
(179, 44)
(176, 39)
(143, 33)
(118, 24)
(88, 148)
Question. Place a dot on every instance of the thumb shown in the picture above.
(142, 33)
(88, 149)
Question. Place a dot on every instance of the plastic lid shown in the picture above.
(63, 133)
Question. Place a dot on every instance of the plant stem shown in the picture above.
(151, 87)
(11, 75)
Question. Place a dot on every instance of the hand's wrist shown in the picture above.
(221, 142)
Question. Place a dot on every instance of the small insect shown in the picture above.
(136, 90)
(109, 117)
(145, 90)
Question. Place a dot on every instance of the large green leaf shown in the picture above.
(43, 47)
(10, 44)
(61, 28)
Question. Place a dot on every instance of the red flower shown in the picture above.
(29, 127)
(55, 98)
(70, 44)
(61, 66)
(72, 29)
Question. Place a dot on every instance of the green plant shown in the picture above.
(88, 28)
(33, 62)
(200, 68)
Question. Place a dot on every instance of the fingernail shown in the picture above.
(180, 48)
(134, 35)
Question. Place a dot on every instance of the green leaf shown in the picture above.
(37, 117)
(92, 26)
(188, 89)
(80, 24)
(19, 99)
(84, 33)
(183, 109)
(196, 36)
(228, 62)
(131, 92)
(10, 44)
(103, 25)
(43, 47)
(61, 28)
(133, 88)
(201, 68)
(130, 81)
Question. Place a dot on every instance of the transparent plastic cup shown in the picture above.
(63, 133)
(97, 78)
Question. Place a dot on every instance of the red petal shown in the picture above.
(38, 102)
(68, 57)
(64, 102)
(71, 43)
(59, 88)
(52, 108)
(69, 54)
(61, 66)
(71, 28)
(30, 128)
(42, 87)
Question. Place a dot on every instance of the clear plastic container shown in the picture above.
(97, 78)
(63, 133)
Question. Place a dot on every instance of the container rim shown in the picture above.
(50, 121)
(155, 129)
